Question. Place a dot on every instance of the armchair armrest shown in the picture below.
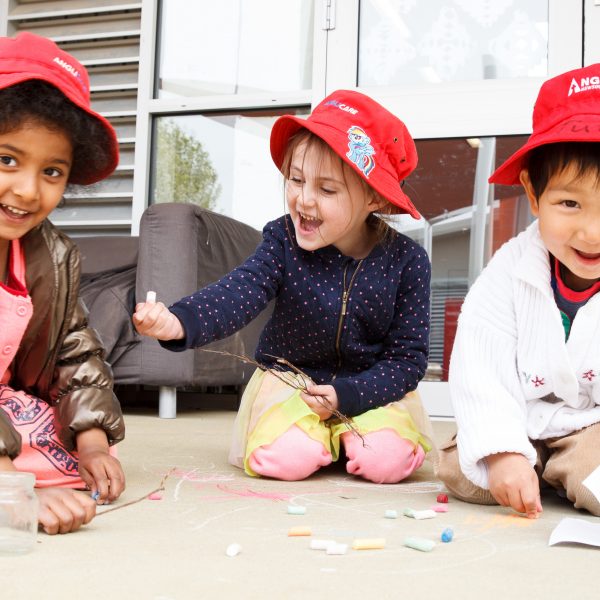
(184, 247)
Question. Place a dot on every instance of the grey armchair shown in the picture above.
(181, 248)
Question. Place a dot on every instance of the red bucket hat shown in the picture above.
(368, 137)
(567, 109)
(29, 56)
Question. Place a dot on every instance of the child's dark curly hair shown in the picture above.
(36, 101)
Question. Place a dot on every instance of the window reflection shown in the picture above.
(442, 188)
(219, 161)
(405, 41)
(234, 47)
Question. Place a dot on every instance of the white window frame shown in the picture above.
(150, 107)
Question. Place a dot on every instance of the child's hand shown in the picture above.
(513, 482)
(157, 321)
(63, 510)
(101, 472)
(321, 399)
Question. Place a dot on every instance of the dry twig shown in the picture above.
(160, 488)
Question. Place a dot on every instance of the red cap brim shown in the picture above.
(583, 128)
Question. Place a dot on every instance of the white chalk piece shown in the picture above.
(421, 544)
(296, 510)
(419, 514)
(337, 548)
(151, 297)
(321, 544)
(233, 550)
(391, 514)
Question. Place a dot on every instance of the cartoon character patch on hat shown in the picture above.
(360, 150)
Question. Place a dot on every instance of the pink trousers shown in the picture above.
(380, 456)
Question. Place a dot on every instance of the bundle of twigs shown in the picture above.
(301, 382)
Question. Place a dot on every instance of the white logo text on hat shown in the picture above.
(585, 84)
(66, 66)
(342, 106)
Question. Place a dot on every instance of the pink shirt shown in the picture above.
(15, 309)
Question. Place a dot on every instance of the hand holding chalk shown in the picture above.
(155, 320)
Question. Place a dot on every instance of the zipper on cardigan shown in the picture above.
(345, 297)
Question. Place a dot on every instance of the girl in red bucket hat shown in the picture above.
(351, 315)
(525, 368)
(58, 412)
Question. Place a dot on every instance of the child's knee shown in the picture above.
(292, 456)
(381, 456)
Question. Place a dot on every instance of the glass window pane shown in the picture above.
(221, 162)
(234, 47)
(511, 213)
(442, 189)
(405, 41)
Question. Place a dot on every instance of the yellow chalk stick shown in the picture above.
(296, 531)
(368, 544)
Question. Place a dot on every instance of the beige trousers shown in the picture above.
(562, 463)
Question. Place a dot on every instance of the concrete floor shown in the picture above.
(174, 548)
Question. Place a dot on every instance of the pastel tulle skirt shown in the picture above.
(277, 435)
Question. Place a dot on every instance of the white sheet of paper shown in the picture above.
(592, 482)
(576, 530)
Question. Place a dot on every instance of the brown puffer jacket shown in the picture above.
(61, 359)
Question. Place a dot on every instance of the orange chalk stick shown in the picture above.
(368, 544)
(297, 531)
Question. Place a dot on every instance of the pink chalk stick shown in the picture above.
(155, 496)
(440, 507)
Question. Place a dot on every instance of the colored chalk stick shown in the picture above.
(298, 531)
(421, 544)
(296, 510)
(391, 514)
(447, 535)
(439, 508)
(368, 544)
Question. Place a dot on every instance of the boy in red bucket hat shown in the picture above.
(351, 316)
(525, 368)
(58, 412)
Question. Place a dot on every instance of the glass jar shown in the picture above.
(18, 512)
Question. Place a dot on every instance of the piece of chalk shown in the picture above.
(440, 508)
(391, 514)
(296, 531)
(151, 297)
(337, 548)
(296, 510)
(447, 535)
(155, 496)
(368, 544)
(419, 544)
(419, 514)
(321, 544)
(96, 495)
(233, 550)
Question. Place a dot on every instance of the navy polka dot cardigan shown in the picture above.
(371, 346)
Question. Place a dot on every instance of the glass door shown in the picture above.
(463, 75)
